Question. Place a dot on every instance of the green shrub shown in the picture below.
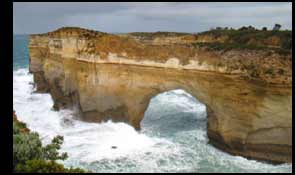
(269, 71)
(26, 147)
(50, 151)
(42, 166)
(29, 155)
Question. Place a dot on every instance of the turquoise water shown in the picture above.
(173, 136)
(20, 52)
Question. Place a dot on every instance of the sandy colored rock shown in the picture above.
(105, 76)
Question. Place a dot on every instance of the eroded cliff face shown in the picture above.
(248, 93)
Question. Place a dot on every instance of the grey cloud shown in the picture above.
(148, 16)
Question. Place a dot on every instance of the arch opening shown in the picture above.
(173, 112)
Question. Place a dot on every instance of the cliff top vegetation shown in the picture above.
(224, 39)
(249, 36)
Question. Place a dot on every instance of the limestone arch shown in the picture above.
(244, 118)
(138, 107)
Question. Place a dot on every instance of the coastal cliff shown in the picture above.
(247, 90)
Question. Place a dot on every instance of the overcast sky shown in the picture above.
(32, 17)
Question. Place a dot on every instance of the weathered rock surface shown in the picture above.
(248, 93)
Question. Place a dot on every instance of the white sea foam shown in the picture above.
(173, 138)
(86, 142)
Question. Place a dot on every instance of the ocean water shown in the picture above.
(173, 136)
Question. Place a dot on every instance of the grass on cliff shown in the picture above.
(254, 37)
(247, 38)
(30, 156)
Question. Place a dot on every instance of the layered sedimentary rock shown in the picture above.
(248, 93)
